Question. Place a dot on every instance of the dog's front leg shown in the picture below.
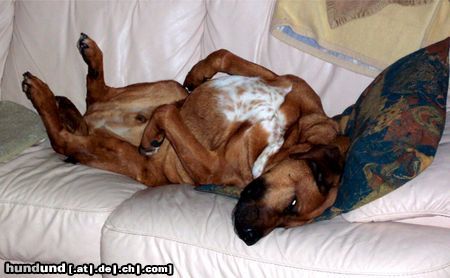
(224, 61)
(201, 164)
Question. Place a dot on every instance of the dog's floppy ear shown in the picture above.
(317, 129)
(326, 155)
(336, 152)
(325, 161)
(300, 148)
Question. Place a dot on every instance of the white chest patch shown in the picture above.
(250, 99)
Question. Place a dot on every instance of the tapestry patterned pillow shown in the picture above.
(395, 127)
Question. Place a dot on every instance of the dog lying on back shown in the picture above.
(253, 129)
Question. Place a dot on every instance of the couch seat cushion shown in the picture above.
(194, 231)
(52, 211)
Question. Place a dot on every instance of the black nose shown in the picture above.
(249, 235)
(245, 218)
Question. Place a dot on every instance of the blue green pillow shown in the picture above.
(395, 127)
(223, 190)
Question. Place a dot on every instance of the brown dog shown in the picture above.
(253, 129)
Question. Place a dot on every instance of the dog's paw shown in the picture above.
(148, 152)
(26, 84)
(31, 85)
(154, 146)
(193, 80)
(82, 43)
(85, 45)
(90, 52)
(35, 89)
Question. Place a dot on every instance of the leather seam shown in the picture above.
(409, 274)
(100, 211)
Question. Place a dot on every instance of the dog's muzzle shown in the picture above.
(246, 214)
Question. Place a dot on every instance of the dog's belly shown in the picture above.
(242, 113)
(119, 119)
(127, 113)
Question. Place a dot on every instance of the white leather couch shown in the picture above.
(51, 211)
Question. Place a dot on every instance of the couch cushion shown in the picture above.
(194, 231)
(52, 211)
(6, 29)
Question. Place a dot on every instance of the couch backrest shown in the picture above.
(154, 40)
(6, 27)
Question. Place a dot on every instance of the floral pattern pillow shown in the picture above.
(395, 127)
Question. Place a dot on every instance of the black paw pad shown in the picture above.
(25, 85)
(81, 45)
(189, 87)
(156, 143)
(27, 75)
(83, 36)
(26, 89)
(71, 159)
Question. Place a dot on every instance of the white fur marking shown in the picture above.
(250, 99)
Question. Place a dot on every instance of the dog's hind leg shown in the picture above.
(224, 61)
(45, 103)
(202, 165)
(98, 150)
(95, 81)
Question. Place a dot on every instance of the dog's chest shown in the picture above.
(250, 99)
